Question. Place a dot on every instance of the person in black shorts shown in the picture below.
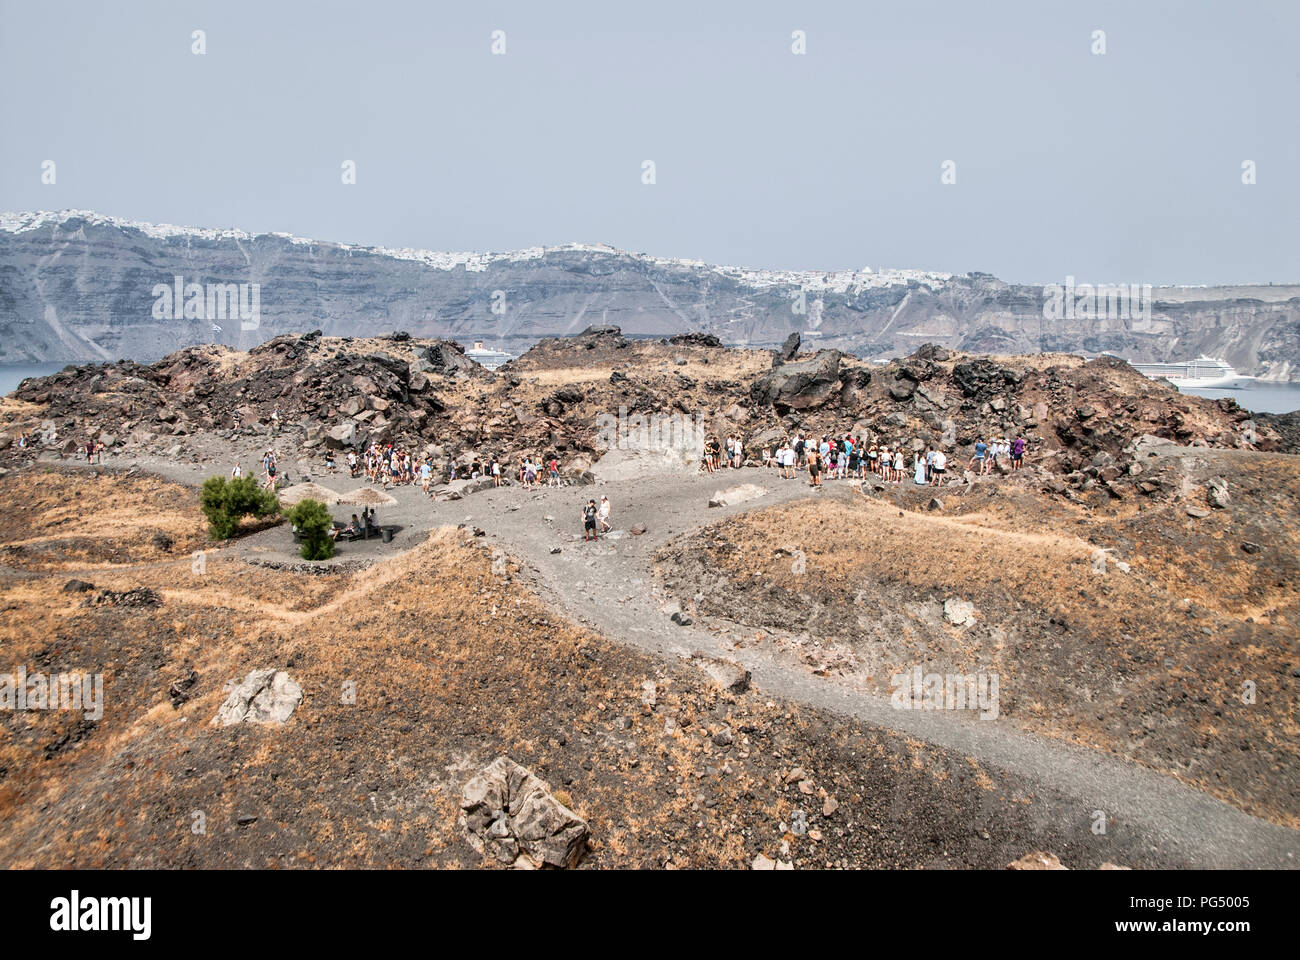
(589, 521)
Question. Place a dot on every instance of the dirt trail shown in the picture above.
(610, 585)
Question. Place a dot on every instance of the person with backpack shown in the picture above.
(589, 521)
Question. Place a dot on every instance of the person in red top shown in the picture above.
(553, 468)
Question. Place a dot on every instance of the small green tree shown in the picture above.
(224, 502)
(313, 521)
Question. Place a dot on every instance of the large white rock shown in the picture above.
(266, 696)
(507, 811)
(738, 494)
(960, 612)
(727, 674)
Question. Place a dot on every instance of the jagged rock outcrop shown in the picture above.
(789, 349)
(446, 357)
(508, 813)
(1084, 423)
(801, 385)
(695, 339)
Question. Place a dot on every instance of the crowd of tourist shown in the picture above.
(851, 457)
(391, 466)
(825, 457)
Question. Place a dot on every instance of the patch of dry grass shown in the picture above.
(1149, 664)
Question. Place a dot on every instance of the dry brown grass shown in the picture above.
(58, 520)
(453, 665)
(1148, 664)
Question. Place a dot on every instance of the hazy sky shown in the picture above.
(1122, 167)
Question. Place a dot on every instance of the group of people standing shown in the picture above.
(988, 452)
(529, 472)
(713, 453)
(853, 457)
(390, 466)
(91, 450)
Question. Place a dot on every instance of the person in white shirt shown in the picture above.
(937, 467)
(604, 514)
(236, 473)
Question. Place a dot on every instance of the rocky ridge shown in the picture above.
(1084, 420)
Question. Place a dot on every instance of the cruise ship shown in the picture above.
(1201, 372)
(487, 357)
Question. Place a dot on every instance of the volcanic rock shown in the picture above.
(508, 812)
(266, 696)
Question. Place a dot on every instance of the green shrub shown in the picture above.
(313, 521)
(224, 502)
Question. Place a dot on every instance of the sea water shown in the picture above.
(12, 374)
(1258, 396)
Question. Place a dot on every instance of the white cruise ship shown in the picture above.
(1201, 372)
(488, 358)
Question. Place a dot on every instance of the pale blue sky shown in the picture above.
(1117, 168)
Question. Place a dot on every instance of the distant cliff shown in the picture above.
(79, 286)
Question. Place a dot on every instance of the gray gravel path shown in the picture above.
(610, 586)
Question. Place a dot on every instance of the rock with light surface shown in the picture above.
(734, 495)
(959, 612)
(727, 674)
(1038, 860)
(508, 812)
(265, 696)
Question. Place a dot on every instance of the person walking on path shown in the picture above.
(589, 521)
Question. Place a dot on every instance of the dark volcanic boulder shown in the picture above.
(902, 389)
(447, 357)
(400, 373)
(930, 351)
(917, 372)
(695, 340)
(981, 379)
(789, 350)
(799, 386)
